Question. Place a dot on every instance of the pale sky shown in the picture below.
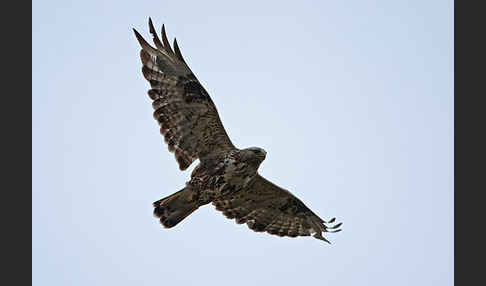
(352, 100)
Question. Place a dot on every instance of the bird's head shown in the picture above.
(256, 154)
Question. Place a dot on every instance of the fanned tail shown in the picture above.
(174, 208)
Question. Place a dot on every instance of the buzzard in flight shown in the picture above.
(226, 176)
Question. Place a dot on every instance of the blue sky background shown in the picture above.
(353, 101)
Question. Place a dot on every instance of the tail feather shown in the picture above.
(174, 208)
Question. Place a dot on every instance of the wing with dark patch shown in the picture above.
(187, 116)
(264, 206)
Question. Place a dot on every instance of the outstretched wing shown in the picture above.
(264, 206)
(187, 116)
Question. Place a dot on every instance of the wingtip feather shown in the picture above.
(151, 26)
(146, 46)
(166, 41)
(178, 51)
(155, 37)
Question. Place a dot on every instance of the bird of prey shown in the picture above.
(226, 176)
